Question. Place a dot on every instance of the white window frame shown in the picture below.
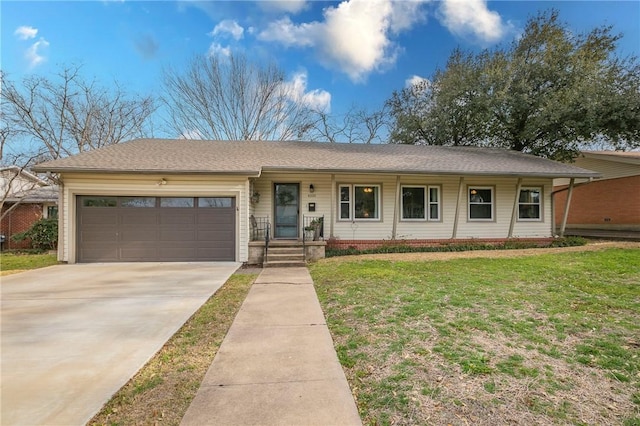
(348, 202)
(427, 203)
(539, 204)
(470, 203)
(352, 202)
(424, 205)
(438, 203)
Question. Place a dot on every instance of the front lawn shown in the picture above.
(544, 339)
(15, 262)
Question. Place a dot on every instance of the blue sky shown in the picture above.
(338, 54)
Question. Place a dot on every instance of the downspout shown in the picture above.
(333, 205)
(455, 220)
(514, 212)
(567, 204)
(396, 209)
(61, 214)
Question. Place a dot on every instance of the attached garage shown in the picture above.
(141, 228)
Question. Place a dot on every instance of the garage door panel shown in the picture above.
(99, 218)
(100, 254)
(133, 233)
(140, 217)
(138, 234)
(178, 235)
(218, 218)
(214, 252)
(139, 253)
(179, 253)
(215, 235)
(172, 218)
(103, 236)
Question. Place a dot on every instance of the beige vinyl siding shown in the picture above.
(504, 196)
(321, 195)
(371, 229)
(441, 229)
(138, 185)
(609, 169)
(382, 229)
(544, 227)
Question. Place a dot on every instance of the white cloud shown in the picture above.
(414, 80)
(472, 18)
(217, 49)
(286, 32)
(354, 36)
(287, 6)
(317, 99)
(25, 32)
(230, 27)
(34, 53)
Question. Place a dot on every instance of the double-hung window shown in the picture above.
(480, 203)
(359, 202)
(529, 204)
(420, 203)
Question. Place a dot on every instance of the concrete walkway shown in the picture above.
(277, 364)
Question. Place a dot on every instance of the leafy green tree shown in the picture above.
(550, 93)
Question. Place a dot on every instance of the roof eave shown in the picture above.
(83, 170)
(549, 175)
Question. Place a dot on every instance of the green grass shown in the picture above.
(541, 339)
(21, 262)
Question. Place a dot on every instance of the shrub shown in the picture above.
(569, 242)
(453, 247)
(43, 234)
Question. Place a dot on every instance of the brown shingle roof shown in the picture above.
(253, 157)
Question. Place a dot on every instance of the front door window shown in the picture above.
(287, 208)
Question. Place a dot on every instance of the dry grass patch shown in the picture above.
(542, 339)
(162, 390)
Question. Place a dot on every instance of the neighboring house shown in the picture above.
(25, 199)
(607, 206)
(178, 200)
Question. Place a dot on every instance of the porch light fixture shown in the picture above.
(368, 189)
(311, 188)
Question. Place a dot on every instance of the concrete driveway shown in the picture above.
(72, 335)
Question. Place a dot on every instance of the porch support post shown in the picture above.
(333, 205)
(514, 212)
(454, 234)
(567, 204)
(396, 209)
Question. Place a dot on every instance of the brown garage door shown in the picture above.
(114, 229)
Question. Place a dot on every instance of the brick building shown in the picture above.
(609, 203)
(25, 199)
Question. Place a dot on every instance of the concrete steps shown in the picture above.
(284, 254)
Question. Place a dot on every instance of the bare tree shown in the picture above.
(17, 183)
(358, 125)
(70, 115)
(231, 98)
